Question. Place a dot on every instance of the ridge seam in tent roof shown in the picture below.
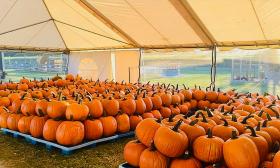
(67, 49)
(90, 21)
(6, 14)
(36, 33)
(146, 20)
(258, 19)
(91, 32)
(96, 13)
(23, 27)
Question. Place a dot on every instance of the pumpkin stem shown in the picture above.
(203, 118)
(159, 120)
(244, 121)
(253, 132)
(186, 155)
(59, 96)
(40, 111)
(89, 97)
(234, 135)
(258, 128)
(184, 86)
(153, 147)
(265, 123)
(168, 86)
(176, 127)
(209, 113)
(275, 147)
(268, 117)
(234, 118)
(6, 109)
(23, 96)
(80, 101)
(225, 122)
(223, 109)
(192, 123)
(71, 117)
(260, 113)
(209, 133)
(170, 118)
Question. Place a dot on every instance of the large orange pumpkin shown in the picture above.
(171, 142)
(241, 152)
(70, 133)
(77, 111)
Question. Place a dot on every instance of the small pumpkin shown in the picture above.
(132, 152)
(36, 126)
(93, 129)
(110, 125)
(146, 129)
(50, 128)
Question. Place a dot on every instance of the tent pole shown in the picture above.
(139, 65)
(128, 74)
(2, 65)
(213, 67)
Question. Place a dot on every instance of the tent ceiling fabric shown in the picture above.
(104, 24)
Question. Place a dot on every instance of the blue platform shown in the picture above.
(64, 149)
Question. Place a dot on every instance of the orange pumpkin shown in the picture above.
(123, 123)
(70, 133)
(110, 125)
(77, 111)
(12, 121)
(132, 152)
(93, 129)
(146, 129)
(24, 124)
(49, 129)
(37, 125)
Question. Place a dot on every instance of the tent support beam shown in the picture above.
(56, 26)
(96, 13)
(186, 11)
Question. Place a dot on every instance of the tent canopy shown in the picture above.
(75, 25)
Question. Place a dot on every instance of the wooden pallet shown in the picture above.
(64, 149)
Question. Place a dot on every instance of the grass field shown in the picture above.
(17, 153)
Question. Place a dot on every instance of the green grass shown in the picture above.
(17, 153)
(17, 75)
(222, 81)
